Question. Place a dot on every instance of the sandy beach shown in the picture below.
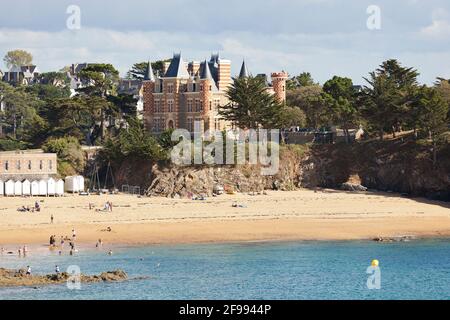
(296, 215)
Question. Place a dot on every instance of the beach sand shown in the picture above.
(293, 215)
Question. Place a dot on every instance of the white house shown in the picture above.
(42, 187)
(60, 187)
(80, 183)
(71, 184)
(35, 188)
(26, 188)
(9, 188)
(51, 187)
(18, 188)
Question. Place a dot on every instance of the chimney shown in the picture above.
(224, 74)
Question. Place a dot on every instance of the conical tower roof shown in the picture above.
(244, 71)
(206, 74)
(149, 76)
(177, 68)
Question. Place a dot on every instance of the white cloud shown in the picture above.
(439, 27)
(324, 55)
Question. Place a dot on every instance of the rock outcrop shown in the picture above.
(13, 278)
(395, 166)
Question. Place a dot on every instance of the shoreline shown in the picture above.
(303, 215)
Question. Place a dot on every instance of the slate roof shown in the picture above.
(149, 75)
(205, 73)
(244, 71)
(177, 68)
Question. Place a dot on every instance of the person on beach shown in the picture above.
(74, 234)
(62, 242)
(28, 271)
(25, 250)
(110, 253)
(20, 252)
(57, 269)
(51, 219)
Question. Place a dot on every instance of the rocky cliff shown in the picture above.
(401, 165)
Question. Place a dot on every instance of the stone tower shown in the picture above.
(279, 85)
(148, 88)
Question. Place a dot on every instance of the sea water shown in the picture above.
(280, 270)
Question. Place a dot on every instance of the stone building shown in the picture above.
(30, 164)
(190, 93)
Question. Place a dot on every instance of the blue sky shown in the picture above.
(324, 37)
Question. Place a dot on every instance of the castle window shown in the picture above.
(50, 164)
(18, 165)
(189, 105)
(29, 165)
(197, 105)
(210, 88)
(190, 126)
(170, 105)
(284, 88)
(201, 87)
(210, 105)
(6, 165)
(157, 106)
(170, 88)
(41, 165)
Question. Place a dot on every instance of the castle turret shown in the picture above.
(148, 88)
(279, 85)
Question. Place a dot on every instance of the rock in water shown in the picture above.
(15, 278)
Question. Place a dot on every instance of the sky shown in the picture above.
(323, 37)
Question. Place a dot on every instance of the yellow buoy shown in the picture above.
(375, 263)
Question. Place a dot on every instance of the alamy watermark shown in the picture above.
(374, 20)
(73, 22)
(214, 147)
(74, 280)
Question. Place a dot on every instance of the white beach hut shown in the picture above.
(9, 188)
(71, 184)
(2, 188)
(51, 187)
(80, 180)
(60, 187)
(42, 187)
(35, 188)
(26, 188)
(18, 188)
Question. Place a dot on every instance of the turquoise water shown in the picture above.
(300, 270)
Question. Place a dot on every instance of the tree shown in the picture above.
(18, 58)
(443, 87)
(344, 107)
(102, 81)
(57, 79)
(139, 69)
(70, 155)
(315, 103)
(132, 143)
(385, 102)
(20, 112)
(433, 116)
(80, 116)
(250, 106)
(292, 117)
(304, 79)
